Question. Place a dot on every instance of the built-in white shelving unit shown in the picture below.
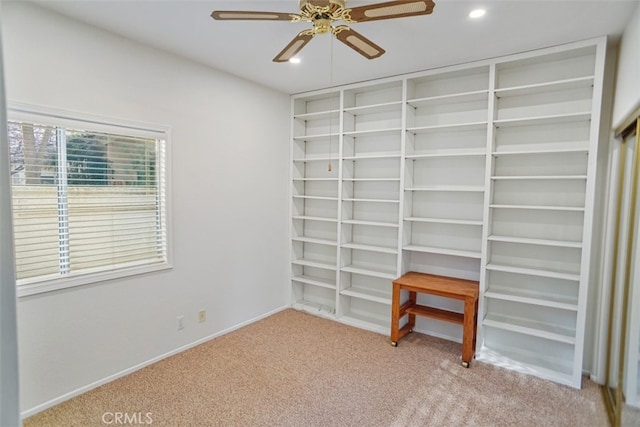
(539, 218)
(315, 203)
(483, 171)
(371, 174)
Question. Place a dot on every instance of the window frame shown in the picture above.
(69, 119)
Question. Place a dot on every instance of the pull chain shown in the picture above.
(329, 168)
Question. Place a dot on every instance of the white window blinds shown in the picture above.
(85, 202)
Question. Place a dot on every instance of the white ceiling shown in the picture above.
(446, 37)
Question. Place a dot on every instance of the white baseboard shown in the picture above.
(39, 408)
(595, 378)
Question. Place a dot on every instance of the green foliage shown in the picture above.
(87, 162)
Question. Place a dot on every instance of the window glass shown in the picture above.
(85, 202)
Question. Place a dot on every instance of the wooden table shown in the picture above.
(448, 287)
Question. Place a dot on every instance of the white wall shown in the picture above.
(230, 156)
(9, 415)
(627, 93)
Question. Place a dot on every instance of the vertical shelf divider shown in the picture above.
(403, 150)
(590, 192)
(339, 283)
(488, 195)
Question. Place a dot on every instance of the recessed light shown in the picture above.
(477, 13)
(294, 60)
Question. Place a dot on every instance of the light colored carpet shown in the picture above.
(295, 369)
(630, 416)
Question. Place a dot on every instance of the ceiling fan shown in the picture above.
(323, 13)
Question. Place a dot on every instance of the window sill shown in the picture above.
(56, 284)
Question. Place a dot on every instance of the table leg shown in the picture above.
(395, 315)
(468, 331)
(475, 326)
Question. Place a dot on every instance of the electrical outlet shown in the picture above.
(180, 320)
(202, 316)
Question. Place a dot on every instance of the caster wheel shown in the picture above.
(465, 364)
(394, 344)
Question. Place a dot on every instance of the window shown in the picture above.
(89, 199)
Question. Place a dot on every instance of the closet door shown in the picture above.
(628, 275)
(314, 204)
(622, 374)
(540, 213)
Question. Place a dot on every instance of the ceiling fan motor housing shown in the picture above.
(322, 3)
(322, 13)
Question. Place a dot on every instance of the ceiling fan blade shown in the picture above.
(294, 47)
(358, 42)
(391, 9)
(237, 15)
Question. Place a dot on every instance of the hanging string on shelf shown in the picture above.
(329, 168)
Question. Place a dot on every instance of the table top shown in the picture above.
(439, 284)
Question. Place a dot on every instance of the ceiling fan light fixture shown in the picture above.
(294, 60)
(322, 26)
